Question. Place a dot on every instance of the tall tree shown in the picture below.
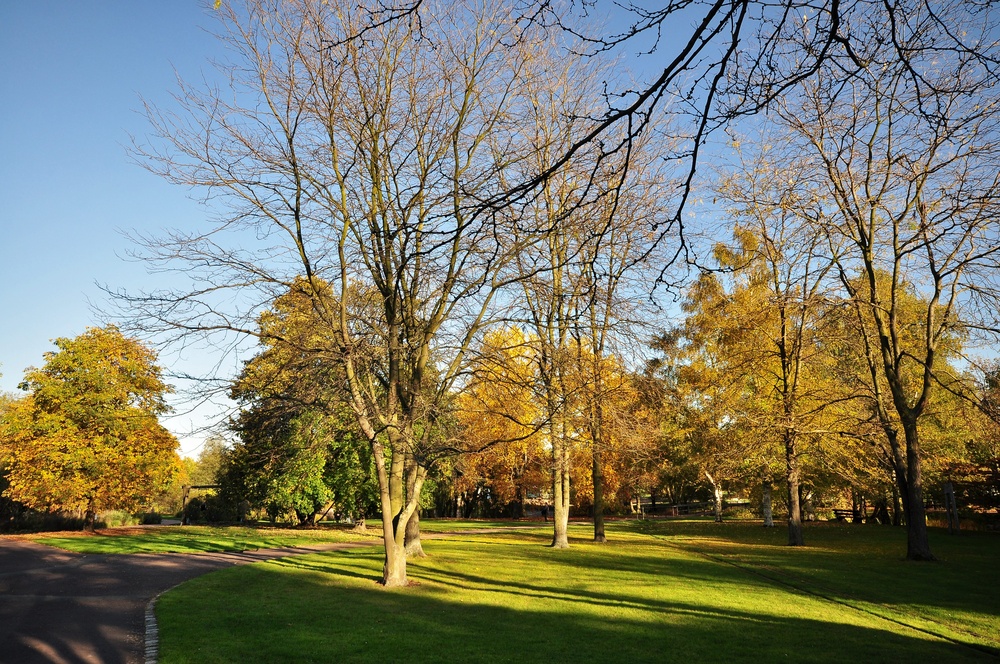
(905, 156)
(86, 437)
(614, 265)
(552, 289)
(357, 155)
(784, 269)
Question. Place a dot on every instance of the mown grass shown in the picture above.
(197, 539)
(658, 592)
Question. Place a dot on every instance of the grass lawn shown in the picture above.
(658, 592)
(195, 539)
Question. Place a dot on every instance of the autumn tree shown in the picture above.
(904, 154)
(357, 155)
(783, 273)
(548, 283)
(499, 422)
(615, 262)
(86, 436)
(868, 424)
(711, 404)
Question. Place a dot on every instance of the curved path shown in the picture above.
(57, 606)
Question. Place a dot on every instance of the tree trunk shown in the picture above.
(917, 544)
(766, 505)
(897, 508)
(795, 537)
(412, 544)
(89, 517)
(394, 568)
(413, 547)
(716, 497)
(560, 495)
(598, 474)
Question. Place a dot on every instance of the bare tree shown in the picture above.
(551, 288)
(615, 266)
(354, 154)
(904, 152)
(733, 61)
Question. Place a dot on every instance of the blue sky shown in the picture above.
(71, 79)
(70, 83)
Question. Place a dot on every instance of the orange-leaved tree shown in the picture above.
(86, 437)
(500, 423)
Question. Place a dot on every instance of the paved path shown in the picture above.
(57, 606)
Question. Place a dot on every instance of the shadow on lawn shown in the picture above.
(313, 616)
(863, 566)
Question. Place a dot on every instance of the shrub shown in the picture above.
(115, 518)
(211, 509)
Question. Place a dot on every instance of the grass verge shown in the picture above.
(658, 592)
(196, 539)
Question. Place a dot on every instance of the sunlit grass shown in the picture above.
(864, 567)
(196, 539)
(661, 592)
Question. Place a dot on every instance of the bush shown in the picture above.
(743, 512)
(116, 518)
(32, 521)
(211, 509)
(150, 519)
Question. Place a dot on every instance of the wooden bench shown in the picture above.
(844, 515)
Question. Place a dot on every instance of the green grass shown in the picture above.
(658, 592)
(458, 525)
(197, 539)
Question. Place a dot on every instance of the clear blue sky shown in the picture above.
(71, 74)
(71, 77)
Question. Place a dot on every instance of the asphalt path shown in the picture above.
(60, 607)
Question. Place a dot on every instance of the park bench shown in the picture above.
(844, 515)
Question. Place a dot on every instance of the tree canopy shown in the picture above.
(86, 436)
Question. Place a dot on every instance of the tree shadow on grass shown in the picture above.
(287, 611)
(862, 563)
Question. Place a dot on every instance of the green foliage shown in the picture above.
(299, 450)
(118, 518)
(86, 436)
(205, 469)
(210, 509)
(305, 464)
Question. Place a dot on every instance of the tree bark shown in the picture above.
(716, 497)
(560, 494)
(766, 505)
(795, 536)
(413, 546)
(917, 544)
(598, 474)
(89, 517)
(897, 508)
(412, 529)
(394, 568)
